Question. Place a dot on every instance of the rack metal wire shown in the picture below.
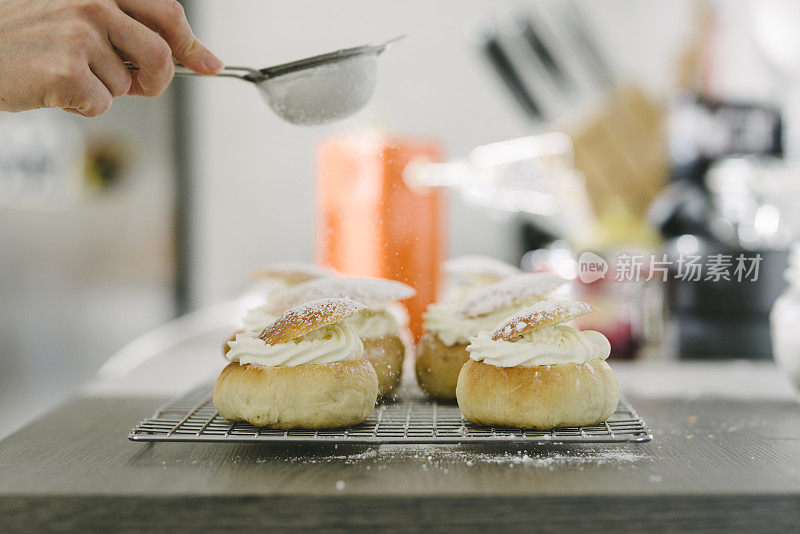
(411, 419)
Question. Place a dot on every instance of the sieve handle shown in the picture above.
(243, 73)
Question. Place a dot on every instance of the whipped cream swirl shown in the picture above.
(374, 322)
(333, 343)
(549, 345)
(451, 329)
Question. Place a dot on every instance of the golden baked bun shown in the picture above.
(541, 397)
(385, 353)
(438, 366)
(332, 387)
(305, 396)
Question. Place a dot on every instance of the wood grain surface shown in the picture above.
(714, 463)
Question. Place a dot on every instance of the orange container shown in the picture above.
(370, 223)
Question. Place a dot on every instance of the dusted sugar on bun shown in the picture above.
(370, 291)
(541, 314)
(376, 325)
(291, 273)
(486, 307)
(509, 293)
(449, 328)
(309, 316)
(305, 370)
(549, 345)
(312, 333)
(378, 294)
(543, 397)
(271, 281)
(478, 267)
(465, 274)
(307, 396)
(534, 337)
(452, 326)
(534, 372)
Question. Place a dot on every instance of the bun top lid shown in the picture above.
(369, 291)
(291, 272)
(513, 291)
(304, 318)
(544, 313)
(477, 266)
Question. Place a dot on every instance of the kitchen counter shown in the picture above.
(724, 455)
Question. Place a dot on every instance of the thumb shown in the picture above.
(191, 53)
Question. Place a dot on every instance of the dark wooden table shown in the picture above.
(719, 460)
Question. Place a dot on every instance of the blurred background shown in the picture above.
(621, 127)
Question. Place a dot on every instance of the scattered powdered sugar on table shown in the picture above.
(542, 313)
(444, 457)
(512, 291)
(559, 459)
(369, 291)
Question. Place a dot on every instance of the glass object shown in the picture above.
(370, 222)
(533, 176)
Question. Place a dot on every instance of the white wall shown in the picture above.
(253, 172)
(78, 283)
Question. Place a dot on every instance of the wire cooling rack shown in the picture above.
(412, 419)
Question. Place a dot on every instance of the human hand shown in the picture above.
(70, 54)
